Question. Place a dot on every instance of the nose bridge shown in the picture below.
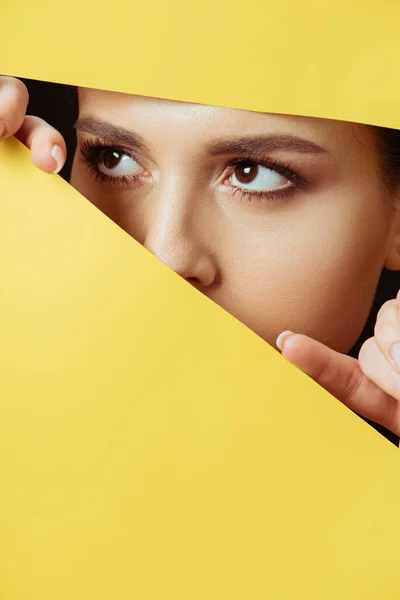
(172, 210)
(174, 229)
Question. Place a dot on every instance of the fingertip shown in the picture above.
(48, 159)
(43, 162)
(47, 146)
(282, 337)
(365, 350)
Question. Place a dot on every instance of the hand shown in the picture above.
(47, 146)
(370, 386)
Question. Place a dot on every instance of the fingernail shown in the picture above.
(395, 354)
(58, 154)
(2, 129)
(282, 337)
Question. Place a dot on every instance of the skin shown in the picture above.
(286, 262)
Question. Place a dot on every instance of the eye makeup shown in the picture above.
(99, 155)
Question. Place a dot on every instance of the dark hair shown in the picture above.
(389, 147)
(389, 283)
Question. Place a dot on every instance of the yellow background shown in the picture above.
(331, 58)
(151, 446)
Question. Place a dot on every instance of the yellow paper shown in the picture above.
(151, 446)
(334, 59)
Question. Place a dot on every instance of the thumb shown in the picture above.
(341, 376)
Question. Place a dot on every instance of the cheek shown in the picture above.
(316, 274)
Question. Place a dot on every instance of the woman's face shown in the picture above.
(281, 220)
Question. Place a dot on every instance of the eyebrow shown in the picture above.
(257, 145)
(265, 144)
(110, 133)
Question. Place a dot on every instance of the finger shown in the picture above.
(388, 309)
(14, 100)
(48, 149)
(342, 377)
(379, 370)
(387, 333)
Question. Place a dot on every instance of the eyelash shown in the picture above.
(91, 150)
(90, 155)
(279, 167)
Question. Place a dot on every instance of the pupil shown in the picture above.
(111, 158)
(246, 172)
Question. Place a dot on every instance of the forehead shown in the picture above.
(169, 117)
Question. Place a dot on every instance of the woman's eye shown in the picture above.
(253, 176)
(115, 163)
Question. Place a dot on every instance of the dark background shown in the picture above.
(57, 104)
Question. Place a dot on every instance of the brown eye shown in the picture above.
(249, 175)
(114, 163)
(110, 158)
(246, 172)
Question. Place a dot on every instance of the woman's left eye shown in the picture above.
(114, 163)
(255, 177)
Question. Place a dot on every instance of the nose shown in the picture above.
(178, 235)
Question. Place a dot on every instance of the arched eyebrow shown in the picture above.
(110, 133)
(263, 144)
(254, 145)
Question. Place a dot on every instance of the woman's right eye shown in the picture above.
(114, 163)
